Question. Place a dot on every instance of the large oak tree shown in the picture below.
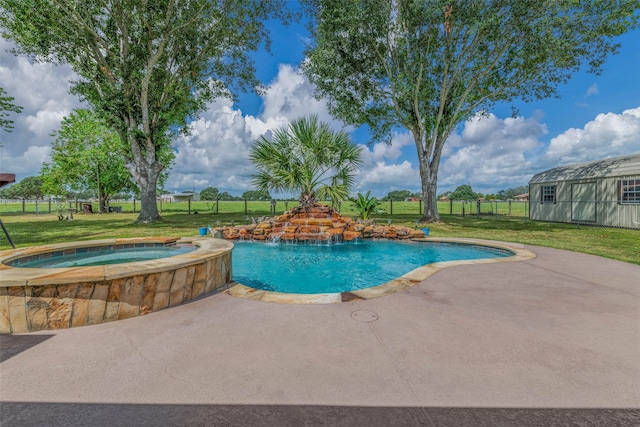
(429, 65)
(85, 156)
(145, 66)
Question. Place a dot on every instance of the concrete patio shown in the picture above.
(550, 340)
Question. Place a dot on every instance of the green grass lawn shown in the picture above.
(620, 244)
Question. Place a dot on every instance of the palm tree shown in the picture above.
(306, 156)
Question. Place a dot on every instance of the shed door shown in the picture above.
(583, 202)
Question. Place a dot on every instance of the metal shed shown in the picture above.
(604, 192)
(187, 195)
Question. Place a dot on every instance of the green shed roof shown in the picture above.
(616, 166)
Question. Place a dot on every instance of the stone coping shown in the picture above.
(401, 283)
(18, 276)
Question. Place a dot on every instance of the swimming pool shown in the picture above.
(342, 267)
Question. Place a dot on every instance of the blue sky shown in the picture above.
(596, 117)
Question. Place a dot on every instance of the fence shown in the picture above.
(487, 207)
(261, 208)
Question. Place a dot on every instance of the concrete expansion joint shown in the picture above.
(135, 347)
(394, 363)
(579, 279)
(164, 369)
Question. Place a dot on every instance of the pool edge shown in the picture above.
(401, 283)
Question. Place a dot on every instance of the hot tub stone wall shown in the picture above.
(45, 307)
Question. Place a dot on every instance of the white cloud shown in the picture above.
(391, 151)
(490, 153)
(382, 178)
(593, 90)
(42, 89)
(28, 163)
(290, 95)
(608, 135)
(383, 168)
(43, 122)
(216, 152)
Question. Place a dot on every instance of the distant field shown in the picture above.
(261, 208)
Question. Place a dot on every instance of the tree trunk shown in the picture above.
(428, 165)
(147, 181)
(145, 169)
(429, 181)
(103, 203)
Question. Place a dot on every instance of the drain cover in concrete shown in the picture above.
(364, 316)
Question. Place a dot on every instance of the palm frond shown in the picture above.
(308, 157)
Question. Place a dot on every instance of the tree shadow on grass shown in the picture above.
(504, 223)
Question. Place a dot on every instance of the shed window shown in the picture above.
(548, 194)
(630, 191)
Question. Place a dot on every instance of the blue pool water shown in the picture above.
(105, 256)
(341, 267)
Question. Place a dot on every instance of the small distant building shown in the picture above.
(604, 192)
(521, 197)
(444, 199)
(412, 199)
(7, 178)
(185, 196)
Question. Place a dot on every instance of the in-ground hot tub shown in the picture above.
(35, 299)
